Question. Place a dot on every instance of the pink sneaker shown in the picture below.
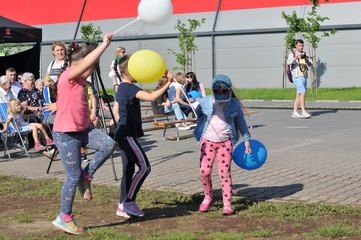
(132, 209)
(205, 205)
(227, 210)
(39, 147)
(120, 211)
(49, 142)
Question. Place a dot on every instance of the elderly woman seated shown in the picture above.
(30, 96)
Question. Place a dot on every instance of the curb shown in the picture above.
(329, 104)
(281, 100)
(313, 108)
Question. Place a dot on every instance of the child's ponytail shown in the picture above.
(123, 66)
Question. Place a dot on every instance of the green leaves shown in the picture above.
(308, 26)
(90, 33)
(186, 38)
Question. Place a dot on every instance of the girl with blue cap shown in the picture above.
(220, 119)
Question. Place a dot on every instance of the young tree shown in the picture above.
(308, 27)
(187, 47)
(90, 34)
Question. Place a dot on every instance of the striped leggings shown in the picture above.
(132, 154)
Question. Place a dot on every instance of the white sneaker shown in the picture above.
(120, 211)
(305, 115)
(296, 115)
(182, 126)
(192, 125)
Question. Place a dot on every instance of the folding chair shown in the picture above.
(46, 114)
(12, 131)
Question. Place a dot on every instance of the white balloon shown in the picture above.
(155, 12)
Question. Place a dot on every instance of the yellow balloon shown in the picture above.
(146, 66)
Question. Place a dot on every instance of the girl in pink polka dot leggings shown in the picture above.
(220, 118)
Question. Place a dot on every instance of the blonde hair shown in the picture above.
(12, 109)
(58, 43)
(118, 49)
(180, 78)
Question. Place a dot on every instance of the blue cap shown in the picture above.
(220, 82)
(222, 79)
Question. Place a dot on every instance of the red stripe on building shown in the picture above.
(37, 12)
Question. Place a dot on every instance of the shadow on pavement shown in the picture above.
(317, 113)
(266, 193)
(157, 161)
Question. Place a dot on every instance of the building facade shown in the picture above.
(241, 38)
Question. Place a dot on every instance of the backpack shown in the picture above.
(288, 70)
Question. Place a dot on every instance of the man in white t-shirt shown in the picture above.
(15, 85)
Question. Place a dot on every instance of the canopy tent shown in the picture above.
(26, 61)
(14, 32)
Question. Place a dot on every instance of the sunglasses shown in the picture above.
(188, 76)
(124, 51)
(221, 91)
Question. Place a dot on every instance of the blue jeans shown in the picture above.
(179, 115)
(69, 144)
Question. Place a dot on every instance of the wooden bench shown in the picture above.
(165, 125)
(146, 108)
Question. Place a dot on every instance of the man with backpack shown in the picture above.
(299, 62)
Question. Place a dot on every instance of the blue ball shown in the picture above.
(253, 160)
(194, 94)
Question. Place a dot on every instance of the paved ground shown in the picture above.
(312, 160)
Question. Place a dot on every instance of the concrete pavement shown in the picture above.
(311, 160)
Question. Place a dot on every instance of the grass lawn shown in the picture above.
(340, 94)
(27, 207)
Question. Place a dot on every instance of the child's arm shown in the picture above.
(50, 107)
(78, 69)
(93, 114)
(166, 103)
(146, 96)
(203, 91)
(178, 97)
(243, 128)
(116, 111)
(241, 122)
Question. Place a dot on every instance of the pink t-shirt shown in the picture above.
(72, 113)
(217, 130)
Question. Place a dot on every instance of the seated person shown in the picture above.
(16, 113)
(176, 95)
(163, 105)
(29, 95)
(194, 89)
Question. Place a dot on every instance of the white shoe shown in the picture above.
(296, 115)
(192, 125)
(305, 115)
(182, 126)
(120, 211)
